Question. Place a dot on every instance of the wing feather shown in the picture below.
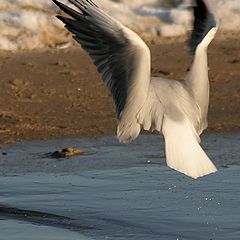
(120, 55)
(205, 19)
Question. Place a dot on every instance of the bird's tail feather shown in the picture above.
(183, 152)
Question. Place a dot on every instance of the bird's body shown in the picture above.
(177, 109)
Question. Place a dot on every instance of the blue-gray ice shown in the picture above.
(117, 192)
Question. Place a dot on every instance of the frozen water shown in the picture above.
(114, 192)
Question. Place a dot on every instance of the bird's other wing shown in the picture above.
(204, 20)
(120, 55)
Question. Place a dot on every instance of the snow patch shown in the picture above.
(29, 24)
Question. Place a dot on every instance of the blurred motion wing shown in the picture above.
(205, 20)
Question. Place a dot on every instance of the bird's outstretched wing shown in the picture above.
(205, 19)
(120, 55)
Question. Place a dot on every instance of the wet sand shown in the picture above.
(49, 94)
(117, 192)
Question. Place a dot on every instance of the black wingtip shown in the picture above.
(57, 3)
(60, 5)
(61, 18)
(204, 21)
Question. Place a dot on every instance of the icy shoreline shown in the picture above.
(117, 192)
(31, 24)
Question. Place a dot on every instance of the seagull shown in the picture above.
(176, 109)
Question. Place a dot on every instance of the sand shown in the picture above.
(57, 93)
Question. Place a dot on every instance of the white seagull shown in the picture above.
(177, 109)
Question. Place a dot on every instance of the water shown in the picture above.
(117, 192)
(31, 24)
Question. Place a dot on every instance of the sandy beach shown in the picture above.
(57, 93)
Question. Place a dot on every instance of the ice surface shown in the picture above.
(20, 230)
(30, 24)
(117, 192)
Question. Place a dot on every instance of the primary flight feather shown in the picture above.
(177, 109)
